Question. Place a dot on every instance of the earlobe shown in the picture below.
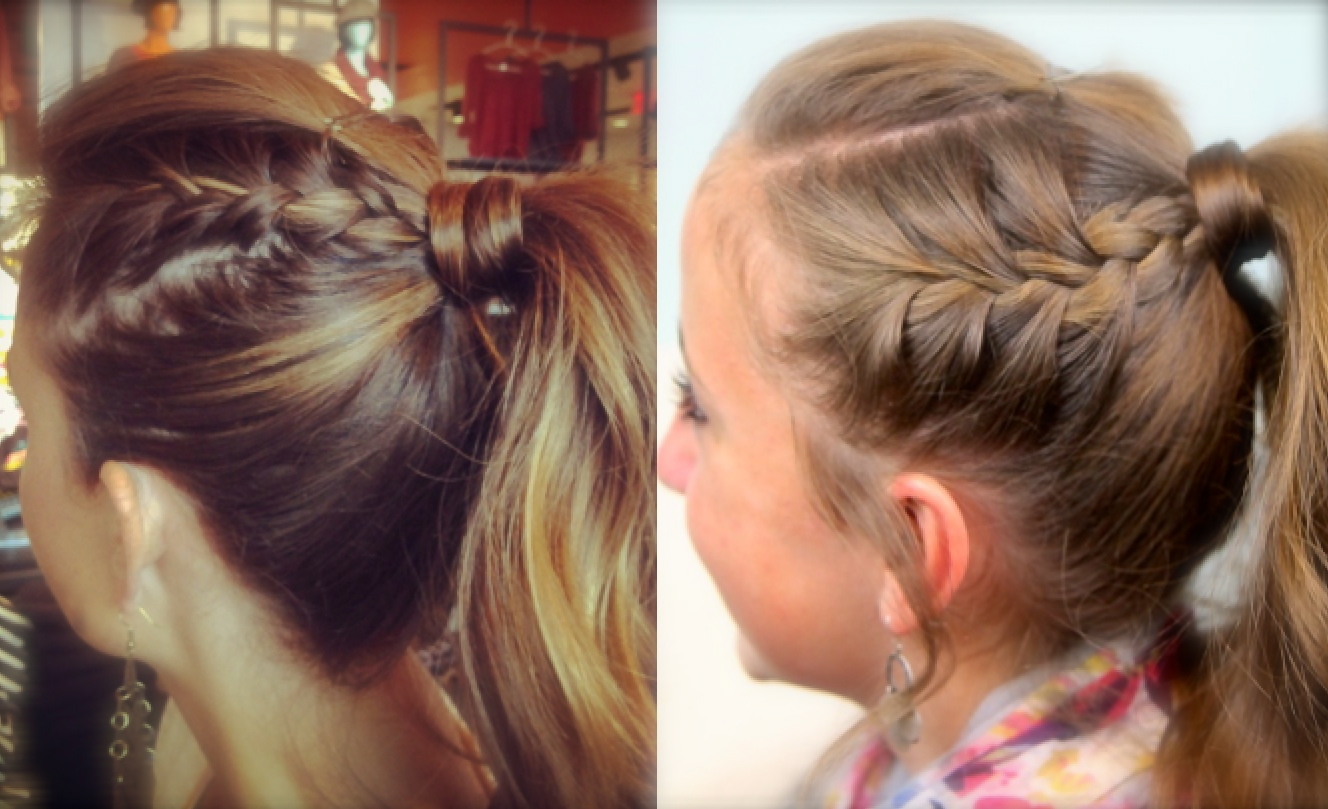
(896, 614)
(939, 524)
(133, 494)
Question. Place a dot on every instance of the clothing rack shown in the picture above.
(526, 166)
(647, 91)
(646, 56)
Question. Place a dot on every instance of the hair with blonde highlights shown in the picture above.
(1015, 277)
(397, 402)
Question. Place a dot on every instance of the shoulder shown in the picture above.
(123, 56)
(863, 778)
(1087, 737)
(119, 56)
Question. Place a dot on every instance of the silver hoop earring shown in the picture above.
(907, 729)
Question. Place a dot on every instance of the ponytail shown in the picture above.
(556, 650)
(1250, 729)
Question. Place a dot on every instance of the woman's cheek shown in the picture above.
(33, 490)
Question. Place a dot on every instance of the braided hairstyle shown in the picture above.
(397, 402)
(1015, 279)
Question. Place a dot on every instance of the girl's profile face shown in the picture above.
(804, 598)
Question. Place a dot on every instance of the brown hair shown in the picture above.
(396, 401)
(1015, 278)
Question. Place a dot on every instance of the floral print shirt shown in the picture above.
(1085, 737)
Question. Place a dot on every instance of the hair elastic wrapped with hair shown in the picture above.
(476, 235)
(1235, 224)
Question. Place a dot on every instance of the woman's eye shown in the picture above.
(687, 406)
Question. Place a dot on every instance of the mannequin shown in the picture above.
(353, 72)
(161, 17)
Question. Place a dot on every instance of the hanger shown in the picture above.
(537, 51)
(512, 50)
(571, 45)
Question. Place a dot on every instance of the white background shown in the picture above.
(1240, 71)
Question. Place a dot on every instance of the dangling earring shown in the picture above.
(131, 751)
(907, 729)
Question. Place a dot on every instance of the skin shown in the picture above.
(776, 563)
(813, 608)
(273, 731)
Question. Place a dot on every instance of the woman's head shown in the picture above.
(162, 16)
(371, 384)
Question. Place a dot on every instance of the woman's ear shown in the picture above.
(939, 524)
(138, 497)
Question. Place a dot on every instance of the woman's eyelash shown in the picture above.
(688, 408)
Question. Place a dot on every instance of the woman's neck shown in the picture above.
(278, 735)
(156, 43)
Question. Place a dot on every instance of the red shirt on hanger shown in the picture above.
(502, 106)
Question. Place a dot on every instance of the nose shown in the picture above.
(677, 455)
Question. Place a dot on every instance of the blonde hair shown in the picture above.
(1016, 278)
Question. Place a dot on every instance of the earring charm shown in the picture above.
(131, 751)
(907, 729)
